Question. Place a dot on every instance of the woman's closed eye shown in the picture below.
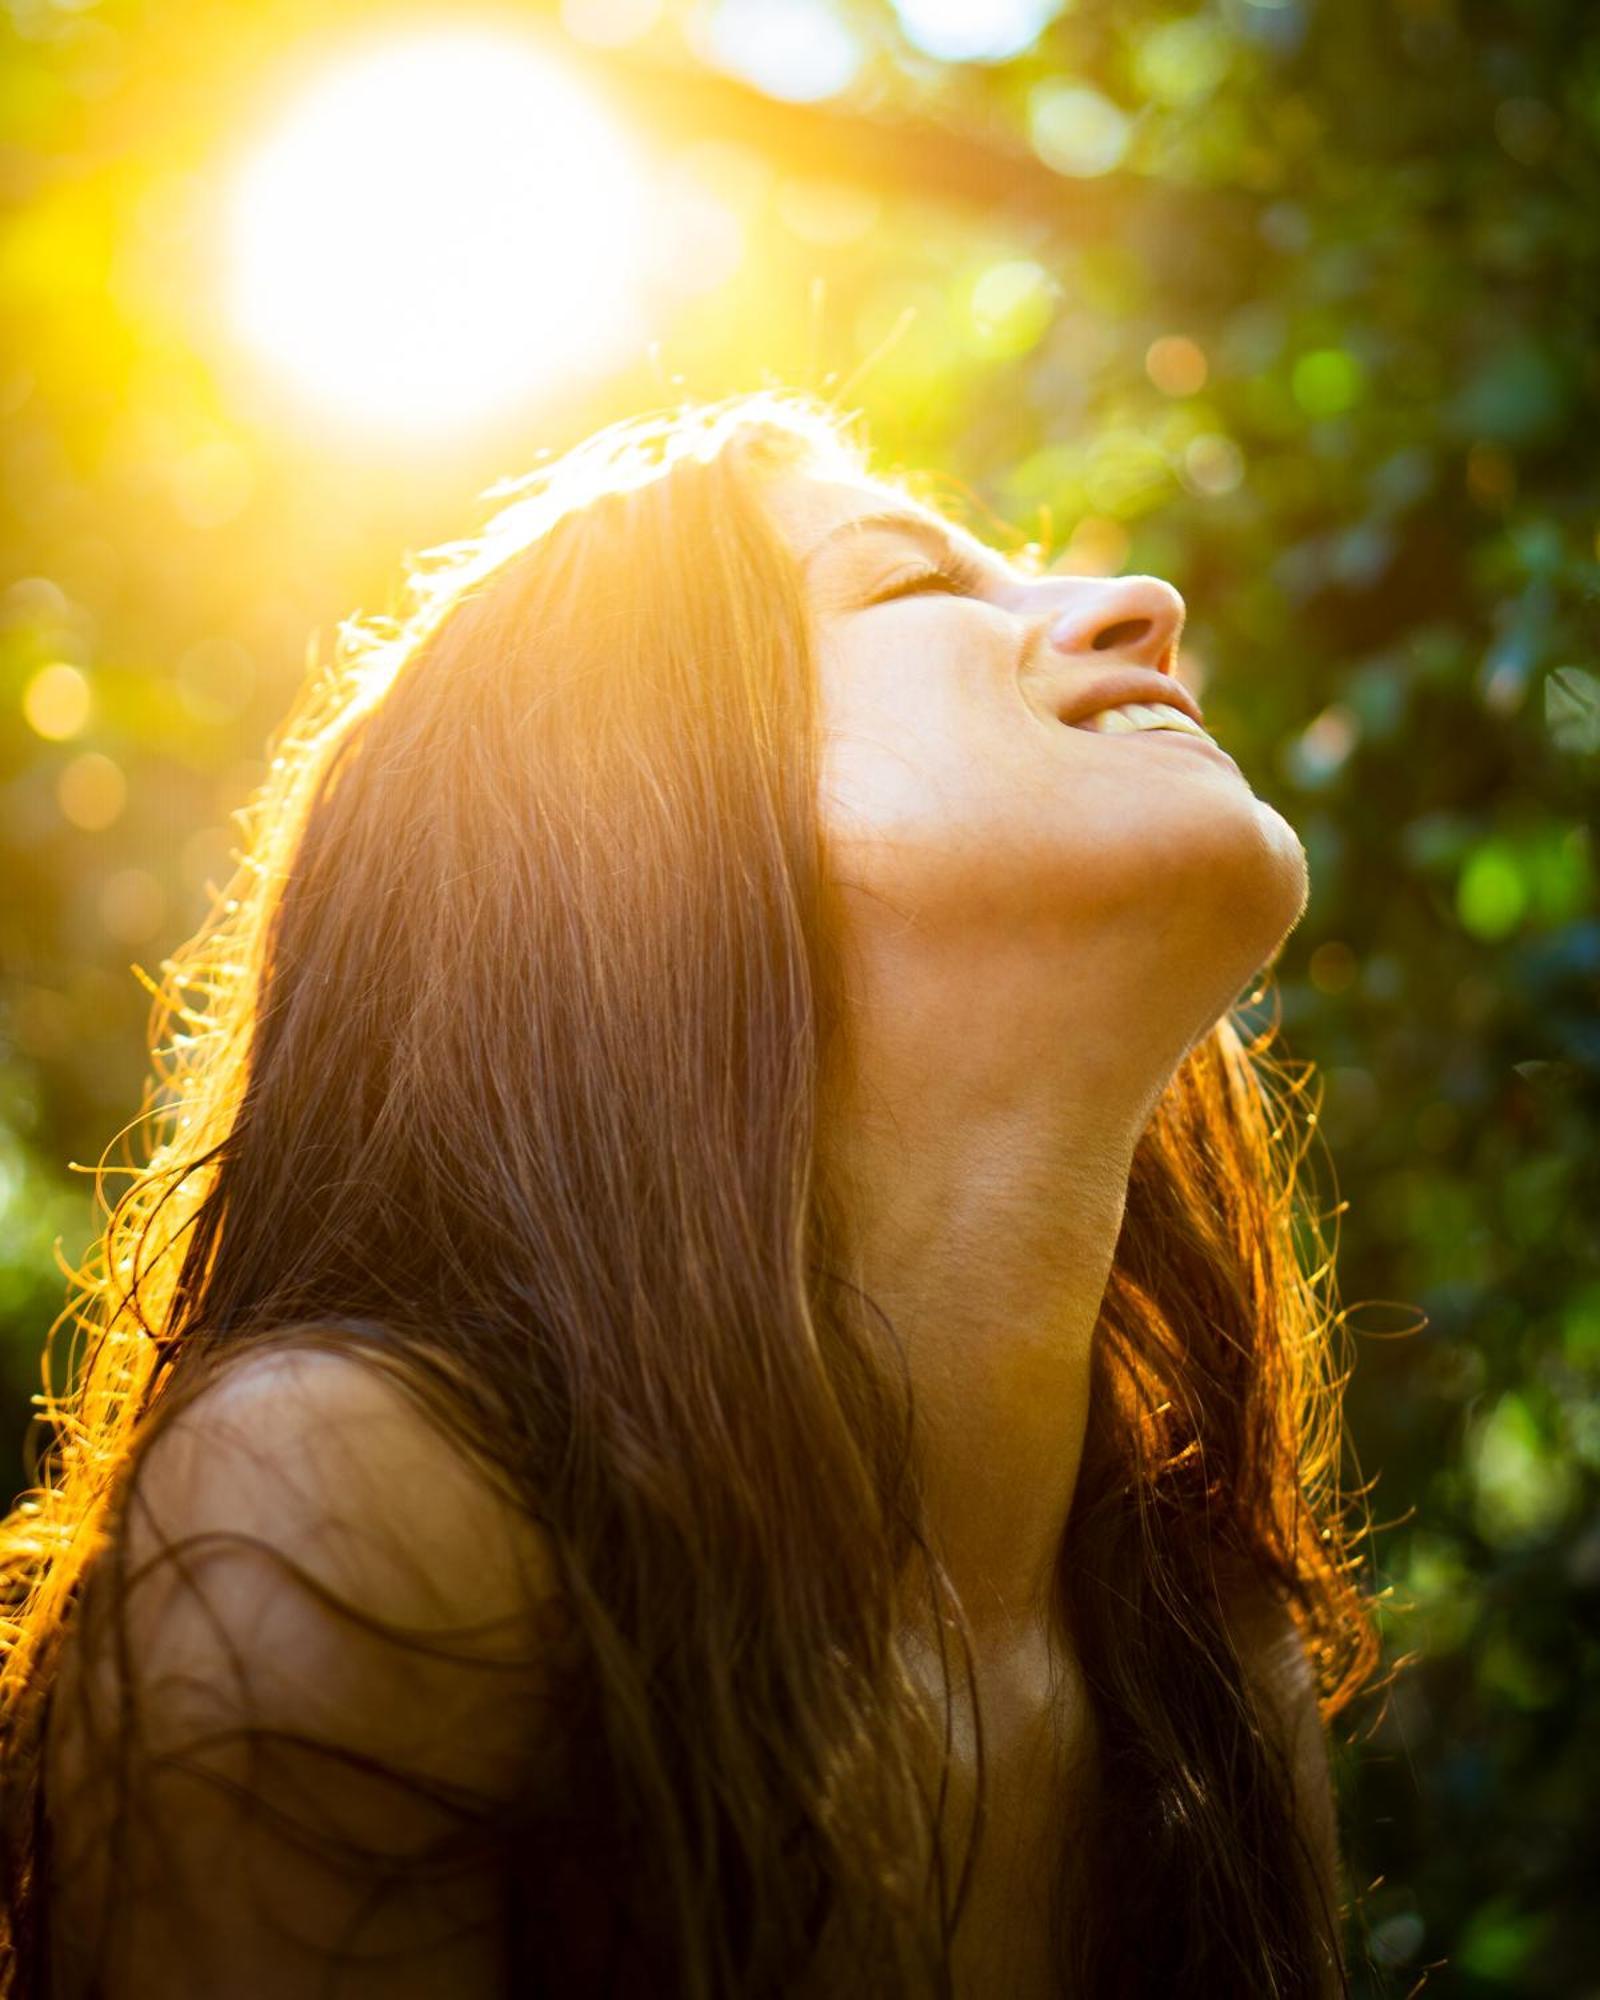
(958, 578)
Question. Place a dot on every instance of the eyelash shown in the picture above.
(961, 579)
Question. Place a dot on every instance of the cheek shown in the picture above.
(880, 777)
(961, 833)
(916, 787)
(923, 749)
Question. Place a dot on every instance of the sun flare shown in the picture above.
(434, 229)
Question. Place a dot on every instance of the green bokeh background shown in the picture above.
(1368, 237)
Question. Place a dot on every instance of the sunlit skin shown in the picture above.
(1041, 921)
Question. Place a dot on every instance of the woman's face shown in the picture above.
(965, 802)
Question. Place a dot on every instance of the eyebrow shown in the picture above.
(941, 540)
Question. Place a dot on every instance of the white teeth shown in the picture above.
(1136, 715)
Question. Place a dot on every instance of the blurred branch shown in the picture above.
(862, 139)
(898, 157)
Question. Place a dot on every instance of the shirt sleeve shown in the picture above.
(301, 1703)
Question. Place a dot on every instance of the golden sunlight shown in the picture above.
(437, 227)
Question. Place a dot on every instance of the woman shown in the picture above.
(711, 1389)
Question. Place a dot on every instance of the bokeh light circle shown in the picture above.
(974, 30)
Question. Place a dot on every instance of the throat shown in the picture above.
(1040, 1793)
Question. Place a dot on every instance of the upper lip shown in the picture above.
(1126, 684)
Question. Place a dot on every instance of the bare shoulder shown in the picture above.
(305, 1546)
(1283, 1681)
(335, 1460)
(1270, 1646)
(306, 1682)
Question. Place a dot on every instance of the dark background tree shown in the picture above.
(1296, 302)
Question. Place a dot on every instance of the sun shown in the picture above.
(436, 228)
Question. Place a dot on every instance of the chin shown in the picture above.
(1243, 892)
(1286, 880)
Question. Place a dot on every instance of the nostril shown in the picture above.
(1126, 632)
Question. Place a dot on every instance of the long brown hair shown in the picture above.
(502, 1054)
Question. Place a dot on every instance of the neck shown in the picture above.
(987, 1189)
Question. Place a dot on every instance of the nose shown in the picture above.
(1136, 617)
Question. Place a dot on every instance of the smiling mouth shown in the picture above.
(1135, 717)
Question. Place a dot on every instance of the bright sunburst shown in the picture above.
(435, 228)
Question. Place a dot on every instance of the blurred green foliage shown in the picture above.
(1296, 302)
